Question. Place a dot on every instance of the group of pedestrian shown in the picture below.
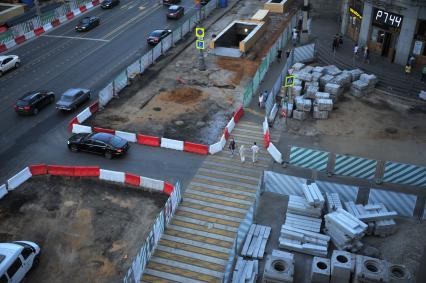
(365, 53)
(337, 41)
(254, 151)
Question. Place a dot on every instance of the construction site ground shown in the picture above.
(404, 247)
(176, 100)
(88, 230)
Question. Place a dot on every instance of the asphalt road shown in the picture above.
(63, 58)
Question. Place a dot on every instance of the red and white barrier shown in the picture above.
(29, 34)
(215, 148)
(148, 140)
(76, 12)
(3, 191)
(274, 152)
(84, 115)
(78, 129)
(230, 126)
(89, 5)
(63, 19)
(47, 27)
(127, 136)
(195, 148)
(9, 44)
(171, 144)
(18, 179)
(265, 125)
(153, 184)
(113, 176)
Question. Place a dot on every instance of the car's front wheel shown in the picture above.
(108, 154)
(74, 148)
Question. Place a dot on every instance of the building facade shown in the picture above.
(395, 29)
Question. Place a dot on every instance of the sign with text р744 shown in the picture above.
(199, 32)
(199, 44)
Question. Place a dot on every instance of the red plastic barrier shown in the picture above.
(168, 188)
(266, 139)
(132, 179)
(70, 15)
(39, 169)
(60, 170)
(148, 140)
(3, 48)
(20, 39)
(226, 133)
(94, 107)
(196, 148)
(39, 31)
(86, 171)
(73, 121)
(102, 130)
(238, 114)
(83, 9)
(95, 2)
(55, 23)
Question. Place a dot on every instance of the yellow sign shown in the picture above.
(199, 32)
(199, 44)
(355, 13)
(289, 81)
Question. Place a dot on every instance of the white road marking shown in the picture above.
(75, 37)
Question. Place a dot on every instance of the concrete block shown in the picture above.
(332, 70)
(333, 88)
(370, 270)
(278, 269)
(299, 115)
(325, 80)
(318, 69)
(298, 66)
(316, 76)
(320, 271)
(399, 273)
(307, 69)
(341, 266)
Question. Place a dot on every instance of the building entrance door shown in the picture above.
(386, 44)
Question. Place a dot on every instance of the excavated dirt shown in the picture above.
(88, 230)
(184, 103)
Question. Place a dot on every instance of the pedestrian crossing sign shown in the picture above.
(289, 81)
(199, 44)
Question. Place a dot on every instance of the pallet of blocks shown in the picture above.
(333, 202)
(245, 271)
(313, 195)
(255, 244)
(379, 220)
(345, 230)
(299, 205)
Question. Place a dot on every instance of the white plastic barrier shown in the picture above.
(29, 34)
(265, 125)
(77, 129)
(215, 148)
(231, 125)
(276, 155)
(127, 136)
(152, 184)
(84, 115)
(222, 141)
(47, 27)
(105, 95)
(76, 12)
(273, 112)
(18, 179)
(114, 176)
(62, 19)
(3, 191)
(10, 43)
(172, 144)
(134, 69)
(89, 5)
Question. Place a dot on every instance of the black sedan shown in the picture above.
(99, 143)
(72, 98)
(175, 12)
(157, 35)
(170, 2)
(107, 4)
(33, 102)
(87, 23)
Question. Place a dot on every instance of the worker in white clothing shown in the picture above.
(255, 150)
(242, 153)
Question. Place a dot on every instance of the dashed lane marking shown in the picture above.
(75, 37)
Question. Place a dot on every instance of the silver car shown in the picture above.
(8, 62)
(72, 98)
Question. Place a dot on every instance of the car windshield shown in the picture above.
(22, 103)
(85, 21)
(173, 9)
(67, 98)
(116, 141)
(156, 33)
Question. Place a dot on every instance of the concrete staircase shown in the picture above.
(195, 247)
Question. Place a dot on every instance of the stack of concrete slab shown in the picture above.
(255, 244)
(307, 77)
(333, 202)
(246, 271)
(299, 205)
(360, 88)
(319, 114)
(342, 266)
(304, 241)
(307, 69)
(316, 76)
(320, 270)
(320, 95)
(324, 104)
(343, 79)
(303, 222)
(332, 70)
(279, 268)
(318, 69)
(371, 79)
(345, 230)
(299, 115)
(325, 80)
(355, 74)
(379, 220)
(303, 104)
(313, 195)
(298, 66)
(311, 90)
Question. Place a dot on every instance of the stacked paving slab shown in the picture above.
(256, 240)
(246, 271)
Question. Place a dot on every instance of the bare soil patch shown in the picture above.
(88, 230)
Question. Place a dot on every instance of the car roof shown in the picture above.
(29, 95)
(105, 137)
(8, 251)
(174, 7)
(73, 91)
(5, 56)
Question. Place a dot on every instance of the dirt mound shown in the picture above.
(182, 95)
(241, 67)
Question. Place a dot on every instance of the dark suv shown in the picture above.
(33, 102)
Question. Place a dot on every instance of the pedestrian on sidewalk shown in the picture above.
(254, 150)
(294, 37)
(279, 53)
(260, 103)
(424, 74)
(407, 69)
(232, 146)
(340, 39)
(356, 48)
(242, 153)
(366, 55)
(336, 37)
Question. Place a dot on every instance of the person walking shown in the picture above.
(340, 39)
(366, 55)
(356, 49)
(294, 37)
(334, 45)
(232, 146)
(260, 100)
(242, 153)
(279, 54)
(255, 151)
(407, 69)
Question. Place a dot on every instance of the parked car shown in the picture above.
(87, 23)
(204, 2)
(8, 62)
(175, 12)
(107, 4)
(16, 259)
(157, 35)
(170, 2)
(72, 98)
(98, 143)
(33, 102)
